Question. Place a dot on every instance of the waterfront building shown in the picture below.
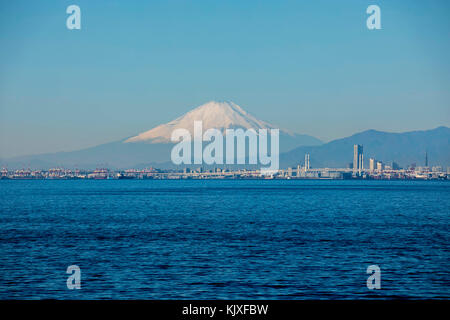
(379, 166)
(395, 166)
(358, 159)
(372, 164)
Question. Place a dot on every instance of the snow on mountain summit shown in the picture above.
(218, 115)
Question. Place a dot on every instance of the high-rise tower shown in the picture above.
(372, 164)
(306, 161)
(358, 158)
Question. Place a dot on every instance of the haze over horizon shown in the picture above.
(134, 66)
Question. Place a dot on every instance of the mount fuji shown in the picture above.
(153, 147)
(217, 115)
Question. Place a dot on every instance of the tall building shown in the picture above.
(426, 159)
(358, 158)
(395, 166)
(372, 164)
(306, 161)
(379, 166)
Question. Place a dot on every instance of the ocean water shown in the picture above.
(224, 239)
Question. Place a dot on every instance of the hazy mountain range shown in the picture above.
(152, 147)
(403, 148)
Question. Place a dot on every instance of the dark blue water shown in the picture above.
(144, 239)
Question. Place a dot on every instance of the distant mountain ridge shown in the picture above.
(403, 148)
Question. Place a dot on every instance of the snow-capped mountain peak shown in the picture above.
(217, 115)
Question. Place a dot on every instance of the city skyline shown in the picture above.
(356, 167)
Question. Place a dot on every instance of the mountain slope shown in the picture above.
(221, 116)
(403, 148)
(218, 115)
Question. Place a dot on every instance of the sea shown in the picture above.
(224, 239)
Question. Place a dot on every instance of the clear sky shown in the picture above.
(308, 66)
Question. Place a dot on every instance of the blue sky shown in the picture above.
(308, 66)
